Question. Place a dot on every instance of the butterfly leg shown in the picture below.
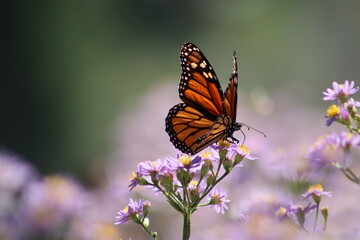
(234, 140)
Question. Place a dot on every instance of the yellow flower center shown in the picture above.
(206, 155)
(316, 187)
(224, 143)
(280, 212)
(185, 160)
(193, 183)
(333, 111)
(126, 209)
(133, 176)
(245, 149)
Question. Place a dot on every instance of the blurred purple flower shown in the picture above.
(297, 212)
(131, 212)
(328, 148)
(217, 200)
(316, 191)
(344, 113)
(351, 103)
(51, 203)
(340, 91)
(14, 173)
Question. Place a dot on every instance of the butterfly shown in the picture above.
(207, 114)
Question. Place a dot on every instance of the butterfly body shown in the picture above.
(207, 114)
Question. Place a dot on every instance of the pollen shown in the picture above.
(185, 160)
(193, 183)
(333, 111)
(316, 187)
(133, 176)
(281, 211)
(206, 155)
(245, 149)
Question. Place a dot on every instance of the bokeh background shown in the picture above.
(87, 84)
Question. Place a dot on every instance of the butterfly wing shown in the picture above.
(199, 86)
(230, 98)
(190, 130)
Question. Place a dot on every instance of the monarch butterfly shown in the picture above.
(207, 114)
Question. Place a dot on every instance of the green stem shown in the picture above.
(350, 175)
(186, 226)
(152, 234)
(316, 216)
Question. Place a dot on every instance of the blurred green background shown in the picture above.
(71, 69)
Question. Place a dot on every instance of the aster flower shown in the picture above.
(218, 200)
(234, 150)
(328, 149)
(281, 212)
(132, 211)
(297, 212)
(52, 202)
(244, 152)
(332, 114)
(134, 179)
(14, 173)
(352, 103)
(344, 114)
(184, 162)
(316, 192)
(195, 189)
(340, 92)
(153, 168)
(222, 145)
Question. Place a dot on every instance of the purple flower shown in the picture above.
(328, 149)
(217, 200)
(351, 103)
(134, 179)
(244, 152)
(344, 113)
(332, 114)
(132, 211)
(344, 140)
(234, 150)
(51, 203)
(297, 212)
(340, 91)
(316, 192)
(153, 168)
(14, 173)
(185, 162)
(222, 145)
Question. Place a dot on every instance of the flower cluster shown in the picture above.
(331, 148)
(346, 111)
(186, 181)
(334, 149)
(297, 212)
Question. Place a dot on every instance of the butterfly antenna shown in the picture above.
(249, 127)
(243, 138)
